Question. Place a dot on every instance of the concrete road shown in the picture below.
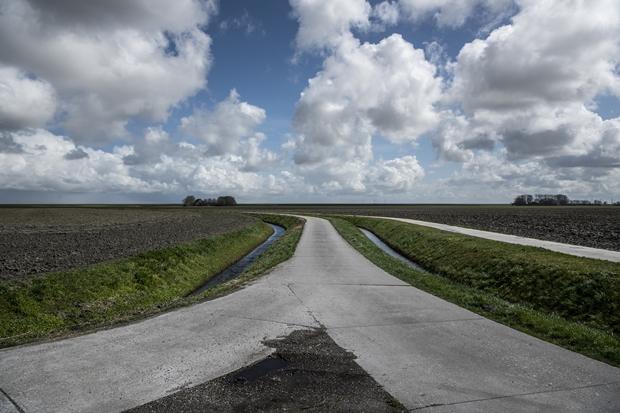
(428, 353)
(578, 250)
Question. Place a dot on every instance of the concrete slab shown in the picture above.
(600, 398)
(116, 369)
(454, 362)
(423, 350)
(577, 250)
(337, 306)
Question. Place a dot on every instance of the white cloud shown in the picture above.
(43, 161)
(452, 13)
(155, 144)
(363, 90)
(111, 61)
(387, 12)
(529, 84)
(24, 101)
(223, 128)
(255, 157)
(324, 23)
(399, 175)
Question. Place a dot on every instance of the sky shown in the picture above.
(294, 101)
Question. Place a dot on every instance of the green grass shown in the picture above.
(570, 301)
(100, 295)
(278, 252)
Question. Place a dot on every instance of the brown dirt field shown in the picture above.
(40, 240)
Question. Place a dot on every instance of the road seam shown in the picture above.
(407, 323)
(589, 386)
(13, 402)
(310, 313)
(270, 321)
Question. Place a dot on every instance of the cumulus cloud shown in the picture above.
(226, 125)
(43, 161)
(386, 12)
(24, 101)
(529, 84)
(108, 62)
(324, 23)
(77, 153)
(399, 175)
(8, 145)
(364, 90)
(453, 13)
(155, 144)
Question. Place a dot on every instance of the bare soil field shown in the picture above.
(595, 226)
(40, 240)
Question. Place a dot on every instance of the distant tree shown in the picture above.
(226, 201)
(189, 200)
(522, 200)
(562, 199)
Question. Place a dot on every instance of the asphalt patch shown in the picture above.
(308, 371)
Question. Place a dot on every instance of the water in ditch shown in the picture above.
(391, 252)
(240, 266)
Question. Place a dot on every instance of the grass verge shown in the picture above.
(485, 277)
(278, 252)
(105, 294)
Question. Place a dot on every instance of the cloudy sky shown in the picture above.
(309, 100)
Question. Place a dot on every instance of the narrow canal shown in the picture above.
(388, 250)
(240, 266)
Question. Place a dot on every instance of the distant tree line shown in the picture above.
(557, 199)
(191, 200)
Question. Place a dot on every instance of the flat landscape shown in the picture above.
(40, 240)
(589, 226)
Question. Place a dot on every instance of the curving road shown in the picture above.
(428, 353)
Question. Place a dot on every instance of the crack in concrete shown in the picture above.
(270, 321)
(428, 406)
(406, 323)
(310, 313)
(13, 402)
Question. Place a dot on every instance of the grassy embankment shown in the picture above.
(570, 301)
(104, 294)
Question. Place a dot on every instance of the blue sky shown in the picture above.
(308, 100)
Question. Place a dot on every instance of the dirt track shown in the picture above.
(39, 240)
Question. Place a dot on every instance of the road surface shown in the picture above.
(430, 354)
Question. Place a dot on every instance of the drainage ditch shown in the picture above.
(390, 251)
(241, 265)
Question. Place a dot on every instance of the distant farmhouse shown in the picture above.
(557, 199)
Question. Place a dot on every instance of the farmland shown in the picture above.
(40, 240)
(175, 251)
(596, 226)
